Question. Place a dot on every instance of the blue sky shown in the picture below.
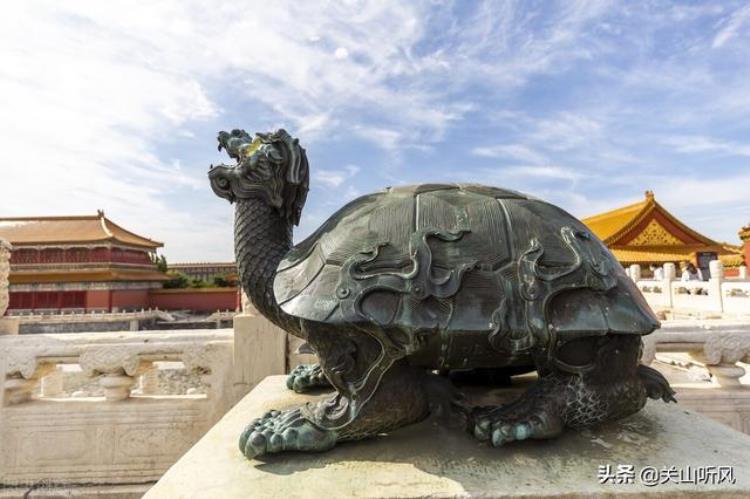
(586, 104)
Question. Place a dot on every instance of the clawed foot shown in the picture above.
(517, 421)
(282, 431)
(306, 376)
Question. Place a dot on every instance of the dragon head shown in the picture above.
(271, 166)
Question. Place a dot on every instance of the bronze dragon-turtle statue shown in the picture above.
(431, 277)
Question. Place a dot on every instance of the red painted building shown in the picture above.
(745, 236)
(78, 263)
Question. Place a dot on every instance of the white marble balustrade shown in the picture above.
(120, 437)
(723, 348)
(729, 296)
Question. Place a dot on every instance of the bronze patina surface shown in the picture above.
(448, 277)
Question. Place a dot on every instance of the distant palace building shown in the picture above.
(745, 237)
(78, 262)
(206, 271)
(646, 233)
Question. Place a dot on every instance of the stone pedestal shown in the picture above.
(434, 459)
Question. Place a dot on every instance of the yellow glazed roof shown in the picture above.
(607, 224)
(69, 230)
(732, 260)
(612, 225)
(665, 254)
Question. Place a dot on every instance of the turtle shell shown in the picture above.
(459, 259)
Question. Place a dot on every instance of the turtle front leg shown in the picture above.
(305, 377)
(398, 401)
(616, 387)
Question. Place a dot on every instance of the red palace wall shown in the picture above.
(47, 300)
(97, 299)
(199, 300)
(128, 299)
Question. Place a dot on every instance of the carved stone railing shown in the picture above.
(723, 349)
(126, 435)
(87, 315)
(71, 321)
(719, 351)
(718, 295)
(736, 296)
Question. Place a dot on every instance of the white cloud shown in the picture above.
(80, 115)
(329, 178)
(335, 178)
(90, 92)
(341, 53)
(690, 144)
(731, 26)
(383, 137)
(514, 151)
(716, 207)
(566, 131)
(314, 125)
(549, 172)
(94, 93)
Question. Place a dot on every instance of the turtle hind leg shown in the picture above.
(613, 388)
(657, 386)
(306, 377)
(536, 414)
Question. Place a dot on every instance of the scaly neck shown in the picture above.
(261, 239)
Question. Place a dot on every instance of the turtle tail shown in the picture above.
(656, 385)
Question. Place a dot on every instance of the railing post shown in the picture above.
(635, 272)
(52, 383)
(743, 272)
(116, 385)
(118, 366)
(666, 288)
(149, 382)
(716, 268)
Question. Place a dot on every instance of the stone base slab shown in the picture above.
(434, 459)
(9, 325)
(43, 491)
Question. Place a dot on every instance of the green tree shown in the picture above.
(176, 280)
(161, 262)
(199, 283)
(221, 281)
